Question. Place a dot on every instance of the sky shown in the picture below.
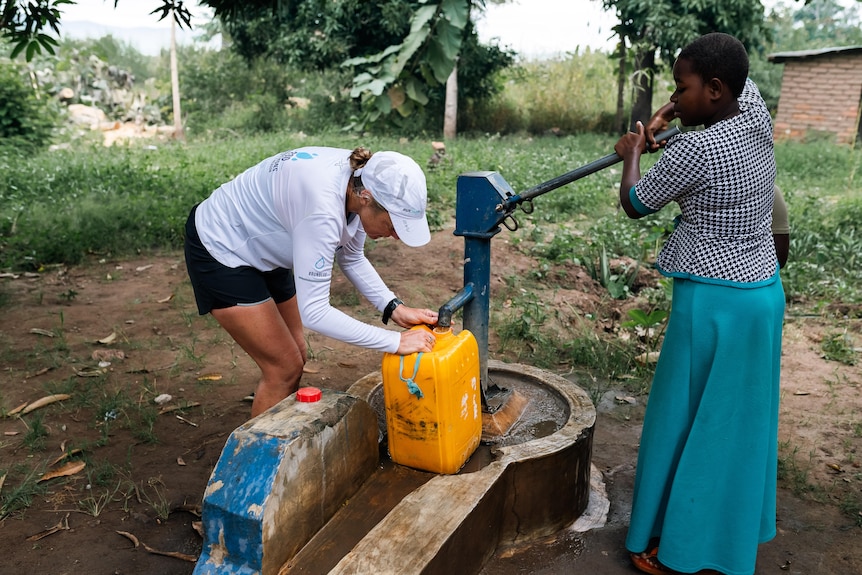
(533, 28)
(127, 14)
(522, 25)
(525, 26)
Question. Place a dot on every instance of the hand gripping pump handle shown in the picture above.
(575, 174)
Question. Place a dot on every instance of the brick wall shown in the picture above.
(821, 94)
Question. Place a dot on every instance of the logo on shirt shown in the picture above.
(292, 156)
(320, 264)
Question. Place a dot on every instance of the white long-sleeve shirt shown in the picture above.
(289, 211)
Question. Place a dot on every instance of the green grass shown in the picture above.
(793, 473)
(20, 487)
(37, 434)
(65, 206)
(838, 346)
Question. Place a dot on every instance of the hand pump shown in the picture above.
(484, 201)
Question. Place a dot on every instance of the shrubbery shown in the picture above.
(26, 120)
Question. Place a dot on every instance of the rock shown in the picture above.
(86, 115)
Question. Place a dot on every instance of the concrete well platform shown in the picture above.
(530, 482)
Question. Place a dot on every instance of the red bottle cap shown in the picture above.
(308, 395)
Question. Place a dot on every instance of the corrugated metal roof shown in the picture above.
(779, 57)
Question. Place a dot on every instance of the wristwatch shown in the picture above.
(390, 307)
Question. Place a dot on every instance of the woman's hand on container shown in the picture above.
(414, 340)
(409, 316)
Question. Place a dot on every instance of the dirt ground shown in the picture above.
(133, 506)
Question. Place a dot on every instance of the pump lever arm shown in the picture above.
(575, 174)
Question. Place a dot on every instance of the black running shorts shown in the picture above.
(217, 286)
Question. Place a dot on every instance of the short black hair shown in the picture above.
(721, 56)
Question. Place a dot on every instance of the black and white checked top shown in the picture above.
(722, 177)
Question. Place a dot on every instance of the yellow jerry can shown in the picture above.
(433, 403)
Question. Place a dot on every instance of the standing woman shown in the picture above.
(705, 486)
(260, 252)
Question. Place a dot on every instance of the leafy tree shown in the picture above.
(397, 76)
(318, 34)
(818, 24)
(401, 61)
(655, 30)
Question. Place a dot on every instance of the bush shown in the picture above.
(26, 121)
(566, 95)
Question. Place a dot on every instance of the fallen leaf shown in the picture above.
(91, 372)
(626, 399)
(171, 408)
(47, 400)
(180, 461)
(70, 468)
(40, 331)
(108, 339)
(2, 481)
(17, 409)
(62, 525)
(131, 538)
(306, 369)
(42, 371)
(143, 268)
(166, 299)
(209, 377)
(175, 554)
(801, 393)
(346, 364)
(11, 433)
(835, 467)
(66, 455)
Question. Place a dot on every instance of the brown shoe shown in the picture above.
(648, 563)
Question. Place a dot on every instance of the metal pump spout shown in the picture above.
(444, 315)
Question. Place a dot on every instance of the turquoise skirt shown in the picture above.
(707, 463)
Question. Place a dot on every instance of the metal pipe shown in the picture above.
(444, 316)
(575, 174)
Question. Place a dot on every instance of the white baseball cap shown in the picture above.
(398, 184)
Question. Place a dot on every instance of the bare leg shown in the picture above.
(289, 310)
(262, 331)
